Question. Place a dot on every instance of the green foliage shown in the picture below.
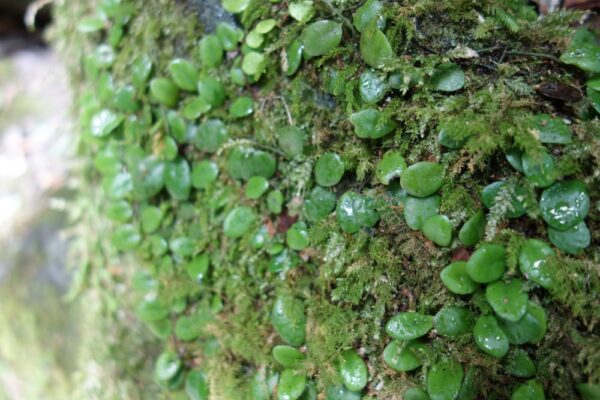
(280, 267)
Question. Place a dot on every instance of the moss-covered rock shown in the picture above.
(287, 197)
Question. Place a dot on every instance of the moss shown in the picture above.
(351, 284)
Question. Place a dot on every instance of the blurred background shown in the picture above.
(39, 330)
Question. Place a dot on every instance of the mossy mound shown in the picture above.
(350, 199)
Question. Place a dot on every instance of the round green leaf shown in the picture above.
(487, 263)
(210, 49)
(508, 300)
(235, 6)
(406, 356)
(371, 123)
(197, 269)
(529, 329)
(501, 190)
(151, 218)
(196, 385)
(164, 91)
(104, 122)
(178, 179)
(238, 221)
(438, 229)
(289, 320)
(453, 321)
(319, 203)
(530, 390)
(167, 366)
(375, 48)
(291, 141)
(126, 237)
(490, 338)
(457, 280)
(573, 240)
(519, 364)
(275, 201)
(353, 371)
(540, 169)
(211, 91)
(415, 394)
(184, 74)
(355, 211)
(552, 130)
(329, 169)
(292, 58)
(228, 35)
(370, 11)
(204, 174)
(409, 325)
(565, 204)
(256, 187)
(537, 262)
(287, 356)
(372, 86)
(254, 63)
(321, 37)
(444, 380)
(391, 166)
(297, 236)
(418, 210)
(448, 78)
(422, 179)
(241, 107)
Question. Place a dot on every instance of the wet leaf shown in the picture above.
(254, 63)
(126, 237)
(371, 10)
(178, 179)
(452, 321)
(438, 229)
(508, 300)
(291, 141)
(372, 86)
(518, 198)
(487, 263)
(321, 37)
(537, 261)
(540, 169)
(457, 280)
(164, 91)
(256, 187)
(329, 169)
(444, 380)
(238, 221)
(212, 91)
(319, 203)
(289, 320)
(583, 52)
(490, 338)
(530, 390)
(409, 325)
(104, 123)
(448, 78)
(572, 240)
(565, 204)
(197, 269)
(301, 11)
(529, 329)
(375, 48)
(355, 211)
(241, 107)
(371, 123)
(423, 178)
(297, 236)
(204, 174)
(211, 135)
(228, 35)
(406, 356)
(353, 370)
(418, 210)
(391, 166)
(184, 74)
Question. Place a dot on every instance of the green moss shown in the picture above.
(350, 283)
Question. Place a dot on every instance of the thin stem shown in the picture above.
(339, 14)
